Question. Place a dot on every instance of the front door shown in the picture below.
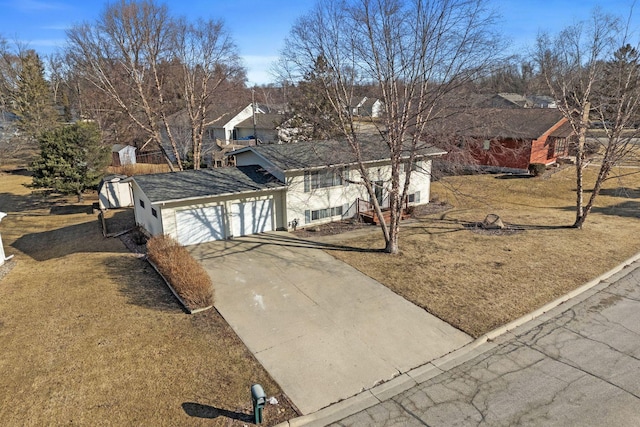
(378, 188)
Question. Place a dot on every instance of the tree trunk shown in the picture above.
(582, 135)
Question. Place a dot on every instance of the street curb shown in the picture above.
(423, 373)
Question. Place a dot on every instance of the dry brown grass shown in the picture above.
(478, 282)
(90, 335)
(186, 275)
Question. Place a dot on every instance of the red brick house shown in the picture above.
(506, 139)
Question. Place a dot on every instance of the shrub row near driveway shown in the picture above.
(187, 277)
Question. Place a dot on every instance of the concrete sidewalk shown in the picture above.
(323, 330)
(573, 362)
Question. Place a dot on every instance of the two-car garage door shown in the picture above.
(204, 224)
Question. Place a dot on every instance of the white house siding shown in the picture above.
(298, 201)
(144, 214)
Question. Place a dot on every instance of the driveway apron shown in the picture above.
(323, 330)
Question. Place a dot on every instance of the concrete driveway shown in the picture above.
(323, 330)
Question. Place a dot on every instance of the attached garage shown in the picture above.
(210, 204)
(200, 225)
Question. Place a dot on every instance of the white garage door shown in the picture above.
(200, 225)
(252, 217)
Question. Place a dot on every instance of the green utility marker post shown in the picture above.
(259, 398)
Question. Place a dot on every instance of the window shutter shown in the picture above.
(416, 197)
(345, 174)
(307, 216)
(307, 183)
(345, 210)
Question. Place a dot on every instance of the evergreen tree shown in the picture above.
(312, 110)
(33, 98)
(72, 159)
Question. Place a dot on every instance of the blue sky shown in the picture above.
(260, 26)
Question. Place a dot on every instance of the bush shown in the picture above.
(537, 169)
(182, 271)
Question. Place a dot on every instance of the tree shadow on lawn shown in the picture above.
(58, 243)
(254, 242)
(211, 412)
(14, 203)
(628, 209)
(624, 192)
(141, 284)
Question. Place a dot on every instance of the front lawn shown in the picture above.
(90, 334)
(479, 281)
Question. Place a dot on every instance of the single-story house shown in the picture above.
(507, 139)
(114, 192)
(123, 155)
(273, 186)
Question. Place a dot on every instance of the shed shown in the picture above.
(123, 155)
(114, 192)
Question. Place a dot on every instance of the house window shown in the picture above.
(316, 215)
(324, 179)
(141, 203)
(414, 197)
(154, 212)
(416, 166)
(560, 147)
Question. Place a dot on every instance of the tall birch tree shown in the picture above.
(413, 52)
(593, 73)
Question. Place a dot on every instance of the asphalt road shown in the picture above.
(579, 368)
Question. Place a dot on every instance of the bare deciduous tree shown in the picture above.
(209, 63)
(413, 52)
(153, 65)
(594, 75)
(121, 54)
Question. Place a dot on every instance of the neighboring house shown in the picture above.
(114, 192)
(371, 107)
(510, 100)
(123, 155)
(273, 187)
(266, 128)
(224, 128)
(514, 100)
(511, 139)
(366, 107)
(542, 101)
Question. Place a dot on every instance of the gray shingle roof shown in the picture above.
(195, 184)
(318, 154)
(517, 123)
(263, 121)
